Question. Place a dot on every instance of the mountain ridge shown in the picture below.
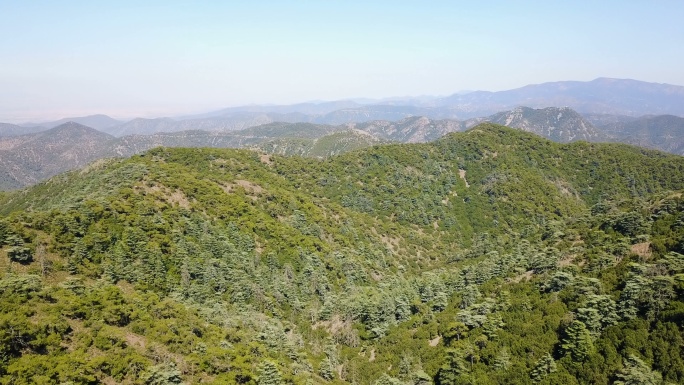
(600, 96)
(317, 140)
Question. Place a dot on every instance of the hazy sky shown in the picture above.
(152, 58)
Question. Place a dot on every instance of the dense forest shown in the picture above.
(491, 256)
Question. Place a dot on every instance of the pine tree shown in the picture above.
(636, 372)
(455, 331)
(502, 361)
(545, 366)
(163, 374)
(421, 378)
(326, 370)
(453, 367)
(387, 380)
(578, 343)
(269, 374)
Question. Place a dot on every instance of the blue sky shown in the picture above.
(154, 58)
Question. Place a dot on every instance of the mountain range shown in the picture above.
(600, 110)
(602, 97)
(30, 158)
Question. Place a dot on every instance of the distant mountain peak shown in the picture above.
(561, 124)
(73, 127)
(600, 96)
(99, 122)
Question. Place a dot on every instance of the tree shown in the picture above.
(492, 325)
(606, 308)
(452, 368)
(41, 256)
(455, 330)
(20, 254)
(577, 343)
(637, 289)
(502, 361)
(387, 380)
(636, 372)
(469, 296)
(163, 374)
(545, 366)
(591, 318)
(472, 353)
(662, 289)
(327, 369)
(420, 378)
(559, 281)
(269, 374)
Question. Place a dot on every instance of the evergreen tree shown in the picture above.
(636, 372)
(452, 368)
(269, 374)
(163, 374)
(420, 378)
(577, 343)
(385, 379)
(545, 366)
(502, 361)
(327, 370)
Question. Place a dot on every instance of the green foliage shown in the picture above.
(490, 256)
(577, 343)
(545, 366)
(636, 372)
(269, 374)
(163, 374)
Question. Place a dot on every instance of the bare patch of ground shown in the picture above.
(642, 249)
(266, 159)
(173, 197)
(252, 189)
(462, 175)
(525, 276)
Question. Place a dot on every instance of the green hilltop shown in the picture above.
(487, 256)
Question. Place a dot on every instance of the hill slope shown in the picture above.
(7, 129)
(665, 132)
(557, 124)
(485, 257)
(28, 159)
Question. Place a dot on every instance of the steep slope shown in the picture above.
(320, 147)
(599, 120)
(35, 157)
(411, 130)
(27, 159)
(665, 132)
(485, 256)
(290, 130)
(7, 129)
(247, 138)
(557, 124)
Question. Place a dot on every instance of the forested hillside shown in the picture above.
(488, 256)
